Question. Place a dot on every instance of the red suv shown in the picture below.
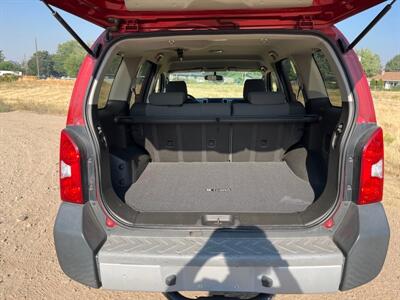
(221, 146)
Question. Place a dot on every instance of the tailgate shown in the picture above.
(139, 15)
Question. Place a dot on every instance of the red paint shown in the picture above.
(78, 97)
(366, 111)
(110, 223)
(329, 223)
(322, 12)
(76, 105)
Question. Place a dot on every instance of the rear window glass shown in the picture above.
(231, 85)
(273, 83)
(108, 81)
(329, 78)
(141, 78)
(293, 80)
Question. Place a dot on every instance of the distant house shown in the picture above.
(13, 73)
(390, 79)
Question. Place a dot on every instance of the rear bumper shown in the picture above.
(282, 262)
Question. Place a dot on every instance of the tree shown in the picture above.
(68, 58)
(370, 61)
(393, 64)
(46, 64)
(7, 65)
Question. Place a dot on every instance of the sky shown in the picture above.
(21, 21)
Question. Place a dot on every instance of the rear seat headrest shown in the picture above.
(253, 85)
(167, 99)
(266, 98)
(176, 87)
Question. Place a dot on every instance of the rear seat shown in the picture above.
(252, 86)
(206, 140)
(172, 130)
(259, 141)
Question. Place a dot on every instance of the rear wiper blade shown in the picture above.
(70, 30)
(370, 26)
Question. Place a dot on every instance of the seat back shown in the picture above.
(260, 141)
(173, 131)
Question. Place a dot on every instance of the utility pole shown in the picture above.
(37, 59)
(25, 66)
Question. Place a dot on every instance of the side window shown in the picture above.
(273, 83)
(108, 81)
(160, 83)
(293, 80)
(329, 78)
(141, 80)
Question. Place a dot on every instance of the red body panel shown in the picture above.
(366, 111)
(320, 14)
(76, 106)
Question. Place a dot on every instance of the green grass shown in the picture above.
(4, 107)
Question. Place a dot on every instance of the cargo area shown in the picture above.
(206, 126)
(220, 187)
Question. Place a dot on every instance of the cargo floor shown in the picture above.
(220, 187)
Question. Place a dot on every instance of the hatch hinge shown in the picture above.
(116, 23)
(306, 22)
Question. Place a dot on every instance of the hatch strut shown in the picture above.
(370, 26)
(70, 30)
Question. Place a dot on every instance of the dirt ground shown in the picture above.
(29, 201)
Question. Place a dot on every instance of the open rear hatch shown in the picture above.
(138, 15)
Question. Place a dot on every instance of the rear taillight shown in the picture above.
(70, 170)
(371, 175)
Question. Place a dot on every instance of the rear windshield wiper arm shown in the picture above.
(370, 26)
(70, 30)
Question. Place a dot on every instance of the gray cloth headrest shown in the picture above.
(167, 99)
(253, 85)
(176, 87)
(268, 98)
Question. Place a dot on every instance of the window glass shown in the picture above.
(274, 83)
(292, 78)
(157, 88)
(231, 85)
(329, 78)
(108, 81)
(141, 78)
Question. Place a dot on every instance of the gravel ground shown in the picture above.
(29, 201)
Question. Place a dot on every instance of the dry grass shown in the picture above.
(43, 96)
(215, 90)
(387, 106)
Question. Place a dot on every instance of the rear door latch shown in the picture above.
(102, 136)
(336, 134)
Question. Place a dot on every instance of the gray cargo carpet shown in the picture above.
(219, 187)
